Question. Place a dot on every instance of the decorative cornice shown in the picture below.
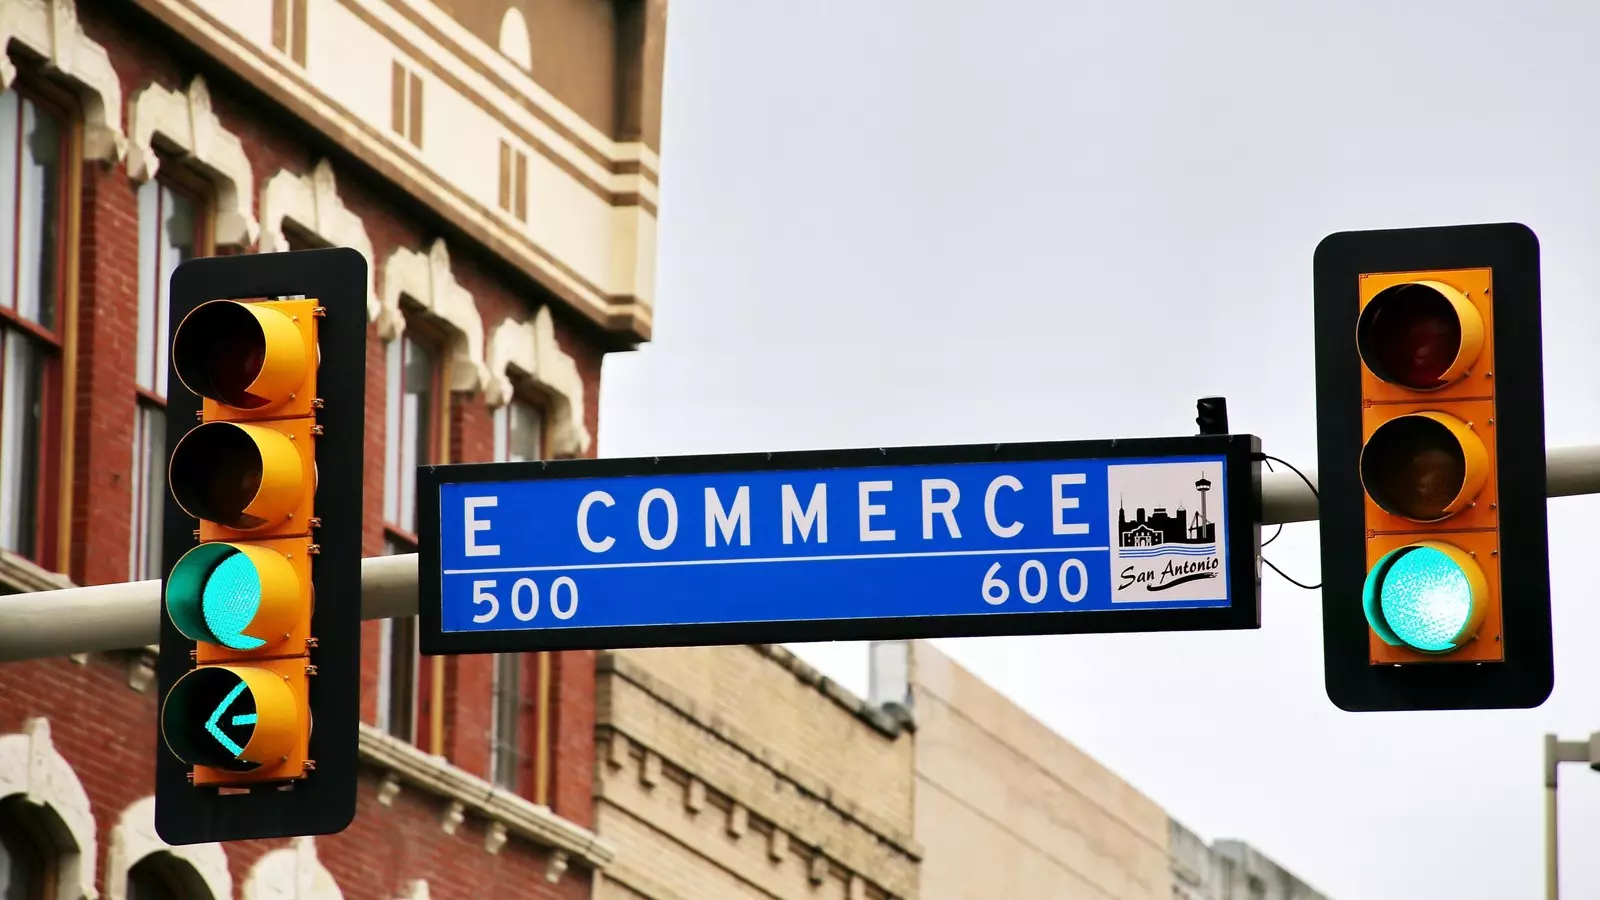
(312, 203)
(529, 349)
(50, 28)
(291, 872)
(692, 709)
(186, 124)
(470, 795)
(429, 281)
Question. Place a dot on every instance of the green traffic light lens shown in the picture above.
(209, 718)
(230, 600)
(213, 594)
(1423, 597)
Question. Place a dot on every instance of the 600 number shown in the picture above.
(525, 599)
(1033, 582)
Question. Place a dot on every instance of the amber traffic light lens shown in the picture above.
(1424, 466)
(1412, 335)
(244, 355)
(240, 476)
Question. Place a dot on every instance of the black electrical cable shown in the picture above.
(1269, 460)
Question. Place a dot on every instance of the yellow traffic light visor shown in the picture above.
(1430, 596)
(1421, 335)
(243, 355)
(235, 718)
(1424, 466)
(241, 476)
(240, 596)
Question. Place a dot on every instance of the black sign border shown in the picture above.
(1241, 452)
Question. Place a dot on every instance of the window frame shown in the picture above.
(201, 193)
(397, 539)
(52, 476)
(529, 747)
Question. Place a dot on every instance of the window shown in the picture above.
(414, 410)
(289, 28)
(518, 437)
(171, 230)
(506, 755)
(513, 181)
(25, 869)
(405, 104)
(160, 877)
(518, 432)
(33, 142)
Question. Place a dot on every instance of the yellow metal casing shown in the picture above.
(1462, 406)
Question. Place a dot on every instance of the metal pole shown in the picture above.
(118, 616)
(1555, 753)
(1568, 471)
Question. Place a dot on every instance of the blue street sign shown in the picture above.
(1094, 536)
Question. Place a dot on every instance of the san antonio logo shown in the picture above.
(1170, 551)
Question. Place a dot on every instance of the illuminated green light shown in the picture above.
(214, 594)
(230, 600)
(1418, 596)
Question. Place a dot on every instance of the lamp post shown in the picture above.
(1557, 752)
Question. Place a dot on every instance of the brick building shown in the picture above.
(788, 788)
(495, 161)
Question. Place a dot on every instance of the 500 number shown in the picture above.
(525, 599)
(1034, 582)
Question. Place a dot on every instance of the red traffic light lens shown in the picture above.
(1414, 335)
(244, 355)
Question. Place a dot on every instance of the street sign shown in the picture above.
(1094, 536)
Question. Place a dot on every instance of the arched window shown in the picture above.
(27, 870)
(162, 876)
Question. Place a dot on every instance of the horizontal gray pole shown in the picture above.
(118, 616)
(1285, 498)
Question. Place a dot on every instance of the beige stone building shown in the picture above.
(726, 773)
(1006, 808)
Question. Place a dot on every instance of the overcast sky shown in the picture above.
(888, 222)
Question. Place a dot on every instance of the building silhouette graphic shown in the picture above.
(1161, 527)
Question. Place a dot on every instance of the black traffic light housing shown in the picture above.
(306, 676)
(1495, 523)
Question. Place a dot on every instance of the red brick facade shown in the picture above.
(103, 727)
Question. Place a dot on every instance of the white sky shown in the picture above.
(896, 223)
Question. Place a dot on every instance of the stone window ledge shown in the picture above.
(508, 814)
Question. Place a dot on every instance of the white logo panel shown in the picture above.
(1168, 540)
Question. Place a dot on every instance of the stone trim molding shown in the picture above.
(186, 123)
(469, 794)
(312, 202)
(51, 29)
(31, 766)
(529, 349)
(625, 757)
(428, 280)
(135, 837)
(695, 711)
(292, 872)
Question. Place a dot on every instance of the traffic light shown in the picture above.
(1430, 436)
(259, 671)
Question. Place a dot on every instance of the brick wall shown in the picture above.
(779, 783)
(106, 729)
